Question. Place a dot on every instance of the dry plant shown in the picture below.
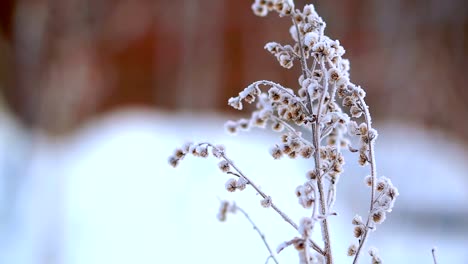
(313, 126)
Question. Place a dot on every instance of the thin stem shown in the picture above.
(262, 236)
(324, 223)
(323, 207)
(373, 166)
(434, 255)
(302, 55)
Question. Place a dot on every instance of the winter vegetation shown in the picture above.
(318, 120)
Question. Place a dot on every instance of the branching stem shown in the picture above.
(373, 166)
(262, 236)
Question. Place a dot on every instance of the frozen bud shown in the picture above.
(173, 161)
(241, 183)
(186, 146)
(363, 128)
(202, 151)
(310, 39)
(392, 192)
(284, 138)
(179, 153)
(358, 231)
(376, 260)
(230, 185)
(352, 127)
(286, 148)
(299, 190)
(302, 92)
(317, 74)
(295, 143)
(357, 220)
(285, 60)
(378, 217)
(224, 166)
(235, 102)
(274, 94)
(373, 252)
(362, 159)
(293, 31)
(276, 152)
(259, 10)
(218, 151)
(223, 209)
(368, 180)
(231, 127)
(277, 126)
(259, 121)
(249, 98)
(352, 250)
(299, 244)
(355, 111)
(334, 75)
(311, 175)
(306, 151)
(243, 124)
(292, 154)
(372, 134)
(273, 47)
(348, 101)
(381, 184)
(266, 202)
(305, 227)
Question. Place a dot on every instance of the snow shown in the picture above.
(107, 195)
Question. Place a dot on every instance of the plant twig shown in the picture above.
(373, 166)
(262, 236)
(434, 255)
(323, 208)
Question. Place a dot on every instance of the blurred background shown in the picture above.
(96, 94)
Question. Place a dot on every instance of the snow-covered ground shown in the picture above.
(107, 195)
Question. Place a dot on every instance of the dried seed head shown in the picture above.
(368, 180)
(299, 244)
(362, 159)
(311, 175)
(358, 231)
(230, 185)
(218, 151)
(266, 202)
(306, 151)
(276, 152)
(381, 185)
(173, 161)
(352, 249)
(223, 209)
(292, 154)
(243, 124)
(392, 192)
(378, 217)
(231, 127)
(224, 166)
(357, 220)
(179, 153)
(355, 111)
(241, 183)
(274, 94)
(277, 126)
(287, 148)
(202, 151)
(305, 227)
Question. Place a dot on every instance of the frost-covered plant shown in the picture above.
(313, 125)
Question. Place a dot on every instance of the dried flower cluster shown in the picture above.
(312, 125)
